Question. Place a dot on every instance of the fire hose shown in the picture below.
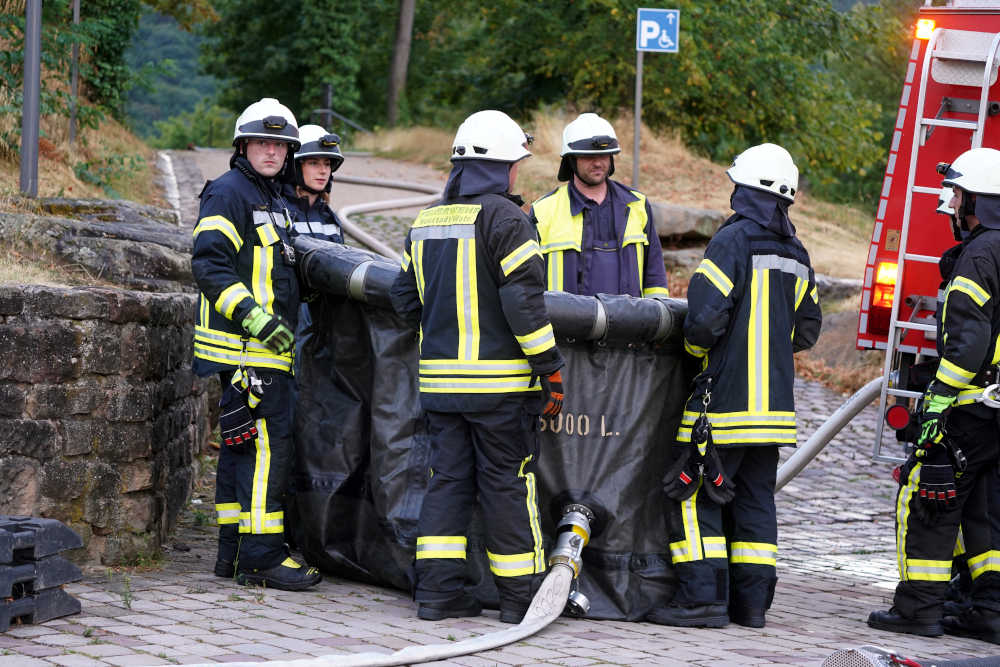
(556, 594)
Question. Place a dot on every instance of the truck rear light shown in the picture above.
(882, 292)
(885, 285)
(925, 28)
(897, 417)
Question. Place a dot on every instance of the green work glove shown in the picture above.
(932, 418)
(270, 330)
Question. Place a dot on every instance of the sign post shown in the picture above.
(656, 30)
(30, 105)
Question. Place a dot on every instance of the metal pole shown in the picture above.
(30, 107)
(638, 118)
(74, 85)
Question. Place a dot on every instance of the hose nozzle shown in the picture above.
(572, 535)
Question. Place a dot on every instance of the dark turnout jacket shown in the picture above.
(752, 303)
(473, 282)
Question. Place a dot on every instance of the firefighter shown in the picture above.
(316, 160)
(244, 267)
(752, 303)
(597, 235)
(472, 283)
(308, 197)
(949, 478)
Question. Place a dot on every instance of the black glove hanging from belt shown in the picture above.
(237, 426)
(699, 465)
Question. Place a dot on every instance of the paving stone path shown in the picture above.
(836, 563)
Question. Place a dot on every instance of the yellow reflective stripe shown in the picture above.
(984, 562)
(689, 549)
(906, 495)
(694, 350)
(513, 565)
(969, 396)
(217, 223)
(261, 472)
(639, 258)
(263, 290)
(487, 385)
(534, 522)
(519, 256)
(418, 267)
(758, 342)
(499, 367)
(449, 214)
(959, 544)
(537, 341)
(814, 293)
(226, 513)
(655, 291)
(555, 271)
(715, 547)
(969, 288)
(203, 310)
(953, 374)
(441, 546)
(222, 356)
(919, 569)
(558, 229)
(754, 553)
(405, 261)
(801, 287)
(716, 275)
(268, 234)
(467, 300)
(745, 436)
(780, 417)
(230, 298)
(273, 522)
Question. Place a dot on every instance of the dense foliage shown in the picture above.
(287, 50)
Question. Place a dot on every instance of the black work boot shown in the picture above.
(893, 621)
(463, 605)
(513, 612)
(977, 623)
(697, 616)
(287, 576)
(748, 618)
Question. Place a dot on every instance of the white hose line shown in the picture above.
(546, 606)
(432, 195)
(831, 427)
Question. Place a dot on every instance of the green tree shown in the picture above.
(287, 50)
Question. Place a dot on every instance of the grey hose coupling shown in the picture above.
(572, 535)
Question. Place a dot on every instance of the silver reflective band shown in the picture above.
(327, 229)
(783, 264)
(356, 283)
(443, 232)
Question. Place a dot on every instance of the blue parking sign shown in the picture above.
(657, 29)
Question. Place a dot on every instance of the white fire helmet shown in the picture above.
(766, 167)
(317, 142)
(976, 171)
(267, 118)
(589, 134)
(490, 135)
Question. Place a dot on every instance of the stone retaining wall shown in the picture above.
(101, 418)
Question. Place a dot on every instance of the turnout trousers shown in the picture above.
(726, 554)
(493, 453)
(926, 544)
(251, 482)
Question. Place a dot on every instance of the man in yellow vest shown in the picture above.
(597, 235)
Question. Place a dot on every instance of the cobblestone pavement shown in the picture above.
(836, 563)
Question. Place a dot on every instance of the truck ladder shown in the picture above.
(956, 57)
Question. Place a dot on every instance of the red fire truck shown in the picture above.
(950, 103)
